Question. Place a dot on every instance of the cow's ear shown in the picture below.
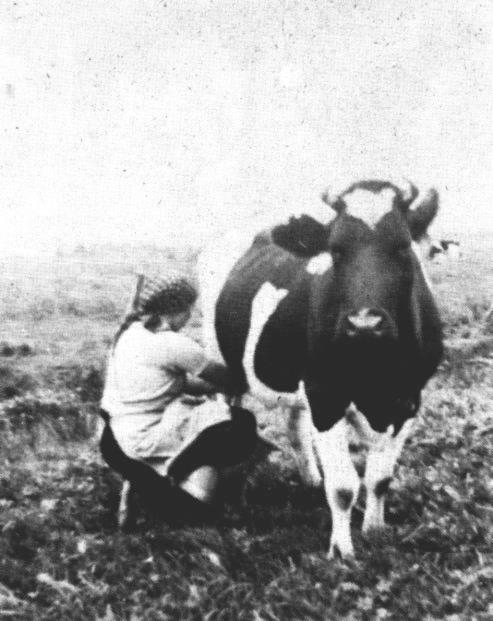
(422, 212)
(303, 236)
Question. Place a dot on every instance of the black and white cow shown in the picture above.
(443, 249)
(335, 322)
(437, 250)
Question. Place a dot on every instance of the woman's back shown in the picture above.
(147, 370)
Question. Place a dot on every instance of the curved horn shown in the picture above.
(334, 201)
(325, 197)
(407, 189)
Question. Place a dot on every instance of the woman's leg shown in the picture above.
(137, 472)
(166, 501)
(223, 444)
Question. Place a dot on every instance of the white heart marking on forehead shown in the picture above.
(369, 207)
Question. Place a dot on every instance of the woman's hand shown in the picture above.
(219, 376)
(198, 386)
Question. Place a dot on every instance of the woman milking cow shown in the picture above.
(168, 446)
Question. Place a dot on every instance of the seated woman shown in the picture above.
(166, 447)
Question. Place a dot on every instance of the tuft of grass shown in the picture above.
(94, 306)
(40, 309)
(85, 382)
(8, 350)
(33, 417)
(14, 382)
(468, 361)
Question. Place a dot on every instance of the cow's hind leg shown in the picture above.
(300, 429)
(341, 483)
(384, 450)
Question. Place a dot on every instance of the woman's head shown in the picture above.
(168, 295)
(163, 302)
(166, 321)
(167, 301)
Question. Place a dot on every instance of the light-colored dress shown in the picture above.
(146, 375)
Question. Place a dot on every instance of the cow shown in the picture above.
(439, 250)
(337, 324)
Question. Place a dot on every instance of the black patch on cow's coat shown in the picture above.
(303, 236)
(382, 487)
(274, 363)
(344, 498)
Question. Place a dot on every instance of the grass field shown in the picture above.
(61, 556)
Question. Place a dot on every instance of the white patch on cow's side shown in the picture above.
(214, 265)
(384, 450)
(418, 251)
(319, 264)
(301, 435)
(341, 483)
(368, 206)
(263, 306)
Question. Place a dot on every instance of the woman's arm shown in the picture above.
(197, 386)
(219, 376)
(185, 354)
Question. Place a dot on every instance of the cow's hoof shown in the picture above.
(312, 479)
(335, 553)
(368, 529)
(310, 474)
(375, 528)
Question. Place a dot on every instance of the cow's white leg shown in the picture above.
(384, 450)
(300, 429)
(341, 483)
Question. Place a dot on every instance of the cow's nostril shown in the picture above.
(364, 320)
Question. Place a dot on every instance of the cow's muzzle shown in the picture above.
(367, 322)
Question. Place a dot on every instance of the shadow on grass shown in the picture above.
(272, 500)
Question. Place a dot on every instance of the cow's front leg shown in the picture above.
(301, 429)
(341, 483)
(384, 450)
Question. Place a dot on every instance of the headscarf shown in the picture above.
(169, 294)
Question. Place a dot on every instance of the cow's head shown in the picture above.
(370, 243)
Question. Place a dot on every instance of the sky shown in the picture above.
(171, 121)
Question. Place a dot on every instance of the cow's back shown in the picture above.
(228, 292)
(215, 262)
